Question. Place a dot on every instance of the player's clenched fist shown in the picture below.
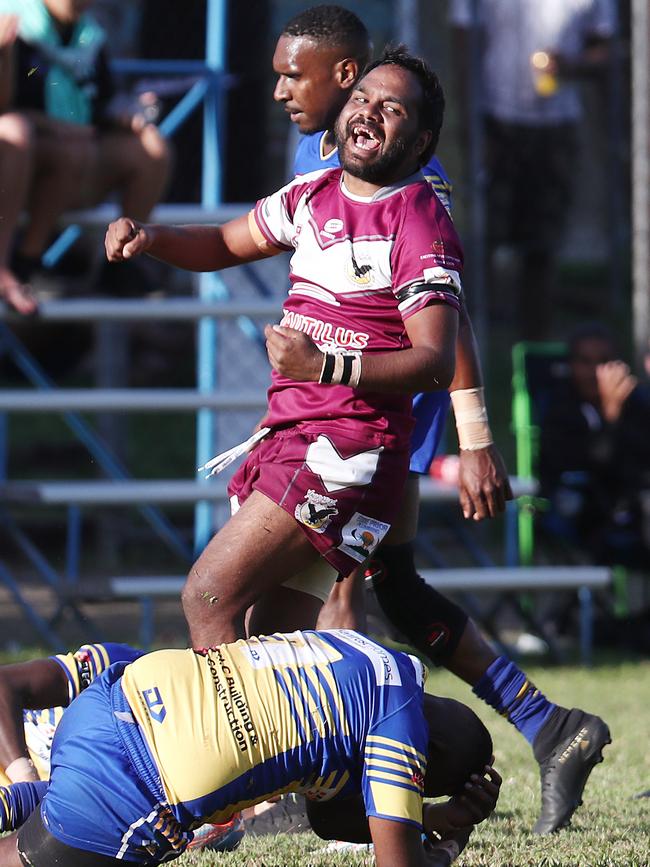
(293, 353)
(125, 238)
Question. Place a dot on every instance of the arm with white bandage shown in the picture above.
(483, 478)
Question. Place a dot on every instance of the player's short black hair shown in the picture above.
(432, 104)
(333, 26)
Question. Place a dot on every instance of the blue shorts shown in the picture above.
(430, 411)
(97, 800)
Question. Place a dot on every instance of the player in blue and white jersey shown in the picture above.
(155, 748)
(318, 59)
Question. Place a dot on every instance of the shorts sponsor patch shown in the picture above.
(317, 512)
(361, 535)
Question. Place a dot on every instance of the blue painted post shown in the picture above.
(210, 285)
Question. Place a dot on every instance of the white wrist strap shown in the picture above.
(21, 770)
(471, 418)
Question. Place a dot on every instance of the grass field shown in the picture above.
(610, 830)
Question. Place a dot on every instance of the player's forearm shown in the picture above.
(193, 248)
(12, 735)
(420, 368)
(468, 373)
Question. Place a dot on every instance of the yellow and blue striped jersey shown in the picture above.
(80, 668)
(325, 714)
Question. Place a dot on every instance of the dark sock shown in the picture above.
(506, 688)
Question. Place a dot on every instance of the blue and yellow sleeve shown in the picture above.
(82, 667)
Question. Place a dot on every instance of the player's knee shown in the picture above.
(207, 599)
(433, 623)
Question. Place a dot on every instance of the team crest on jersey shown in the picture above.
(317, 512)
(361, 535)
(359, 270)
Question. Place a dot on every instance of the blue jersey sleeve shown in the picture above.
(439, 180)
(395, 764)
(82, 667)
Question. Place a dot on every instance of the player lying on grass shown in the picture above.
(152, 749)
(33, 698)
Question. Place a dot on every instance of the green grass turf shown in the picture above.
(610, 829)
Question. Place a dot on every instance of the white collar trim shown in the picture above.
(382, 192)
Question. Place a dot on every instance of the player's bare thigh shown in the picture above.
(258, 549)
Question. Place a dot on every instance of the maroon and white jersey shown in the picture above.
(354, 263)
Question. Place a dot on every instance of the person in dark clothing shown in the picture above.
(595, 452)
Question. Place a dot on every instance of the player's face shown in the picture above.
(67, 11)
(377, 132)
(309, 82)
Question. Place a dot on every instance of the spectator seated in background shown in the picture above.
(595, 452)
(63, 145)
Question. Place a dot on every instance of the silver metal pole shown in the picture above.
(476, 178)
(408, 29)
(640, 176)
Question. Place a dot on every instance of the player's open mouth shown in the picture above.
(364, 138)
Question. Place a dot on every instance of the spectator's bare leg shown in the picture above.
(136, 165)
(63, 168)
(82, 172)
(15, 171)
(259, 548)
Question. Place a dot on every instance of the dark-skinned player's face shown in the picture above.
(311, 82)
(378, 130)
